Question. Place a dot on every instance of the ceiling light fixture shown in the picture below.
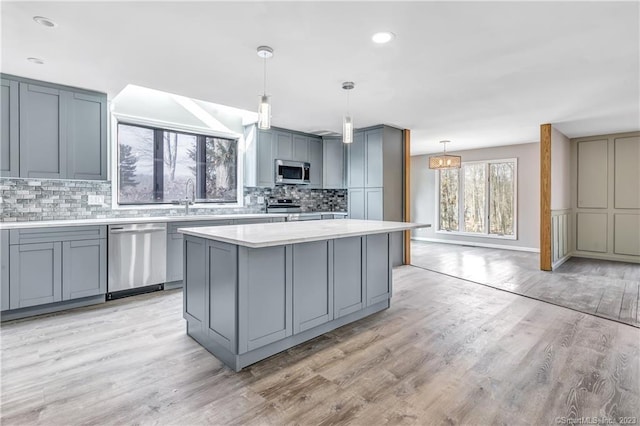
(347, 122)
(35, 61)
(445, 161)
(45, 22)
(383, 37)
(264, 107)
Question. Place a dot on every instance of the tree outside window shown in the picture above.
(479, 198)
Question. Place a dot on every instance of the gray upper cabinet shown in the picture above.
(356, 161)
(333, 163)
(317, 161)
(374, 203)
(300, 148)
(9, 142)
(284, 145)
(52, 131)
(373, 158)
(43, 148)
(265, 158)
(87, 137)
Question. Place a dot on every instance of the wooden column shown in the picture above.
(545, 197)
(407, 192)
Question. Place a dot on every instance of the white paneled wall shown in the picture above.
(606, 196)
(560, 236)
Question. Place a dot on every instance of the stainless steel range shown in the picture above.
(287, 205)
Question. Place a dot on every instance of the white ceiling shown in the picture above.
(477, 73)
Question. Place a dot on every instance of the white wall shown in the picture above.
(423, 195)
(560, 171)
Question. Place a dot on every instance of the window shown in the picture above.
(479, 198)
(154, 166)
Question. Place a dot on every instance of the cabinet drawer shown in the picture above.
(46, 235)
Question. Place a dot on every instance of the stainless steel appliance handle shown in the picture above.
(134, 231)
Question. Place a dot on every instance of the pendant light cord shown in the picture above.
(348, 112)
(265, 76)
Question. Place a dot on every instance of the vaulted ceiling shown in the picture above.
(477, 73)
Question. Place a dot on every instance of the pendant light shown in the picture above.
(445, 161)
(264, 107)
(347, 122)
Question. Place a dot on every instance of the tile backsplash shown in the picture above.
(53, 199)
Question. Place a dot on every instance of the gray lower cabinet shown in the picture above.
(56, 264)
(264, 296)
(366, 203)
(35, 274)
(4, 269)
(9, 141)
(348, 283)
(84, 268)
(378, 268)
(312, 284)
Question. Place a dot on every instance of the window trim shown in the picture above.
(117, 119)
(487, 192)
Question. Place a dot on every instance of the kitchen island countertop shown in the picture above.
(276, 234)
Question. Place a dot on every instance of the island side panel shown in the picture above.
(378, 268)
(264, 296)
(223, 276)
(195, 280)
(348, 283)
(312, 284)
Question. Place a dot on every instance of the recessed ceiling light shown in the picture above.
(383, 37)
(46, 22)
(35, 61)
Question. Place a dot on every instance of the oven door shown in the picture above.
(291, 172)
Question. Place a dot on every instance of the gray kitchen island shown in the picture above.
(251, 291)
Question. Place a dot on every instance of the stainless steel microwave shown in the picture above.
(292, 173)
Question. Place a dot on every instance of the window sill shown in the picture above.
(476, 235)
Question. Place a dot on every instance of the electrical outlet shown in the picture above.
(260, 200)
(247, 199)
(95, 200)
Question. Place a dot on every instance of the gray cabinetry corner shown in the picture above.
(9, 128)
(4, 269)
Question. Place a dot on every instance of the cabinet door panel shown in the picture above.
(4, 269)
(84, 268)
(333, 164)
(222, 293)
(356, 204)
(284, 146)
(9, 142)
(378, 269)
(174, 257)
(312, 286)
(43, 115)
(315, 158)
(592, 174)
(265, 298)
(355, 155)
(266, 156)
(35, 274)
(300, 148)
(349, 292)
(87, 137)
(374, 204)
(195, 279)
(373, 156)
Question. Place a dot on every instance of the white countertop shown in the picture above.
(149, 219)
(281, 233)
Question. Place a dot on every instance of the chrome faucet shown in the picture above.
(189, 200)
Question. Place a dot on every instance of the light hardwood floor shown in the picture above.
(599, 287)
(446, 352)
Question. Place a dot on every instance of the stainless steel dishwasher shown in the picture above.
(137, 259)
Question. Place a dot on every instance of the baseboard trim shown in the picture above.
(559, 262)
(622, 258)
(476, 244)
